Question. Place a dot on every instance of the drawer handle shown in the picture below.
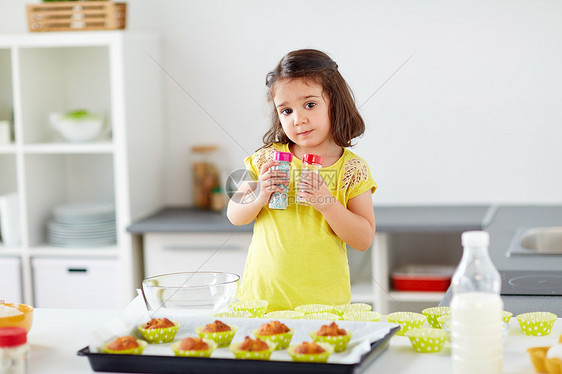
(77, 270)
(200, 247)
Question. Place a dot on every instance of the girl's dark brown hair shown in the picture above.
(317, 67)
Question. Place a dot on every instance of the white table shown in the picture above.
(56, 336)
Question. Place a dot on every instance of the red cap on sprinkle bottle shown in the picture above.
(312, 159)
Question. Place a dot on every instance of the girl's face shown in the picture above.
(303, 111)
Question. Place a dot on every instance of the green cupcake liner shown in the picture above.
(338, 342)
(370, 316)
(433, 313)
(256, 307)
(281, 341)
(314, 308)
(222, 338)
(536, 323)
(408, 320)
(284, 314)
(159, 336)
(427, 340)
(194, 353)
(322, 316)
(133, 351)
(355, 307)
(252, 355)
(236, 314)
(506, 316)
(320, 357)
(442, 320)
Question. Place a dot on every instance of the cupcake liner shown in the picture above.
(194, 353)
(506, 316)
(442, 320)
(314, 308)
(284, 314)
(538, 358)
(433, 313)
(370, 316)
(252, 355)
(408, 320)
(307, 357)
(222, 338)
(536, 323)
(133, 351)
(236, 314)
(427, 340)
(355, 307)
(322, 316)
(338, 342)
(158, 336)
(281, 341)
(256, 307)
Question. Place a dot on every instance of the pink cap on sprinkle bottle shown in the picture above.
(283, 156)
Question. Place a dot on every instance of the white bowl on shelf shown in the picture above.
(77, 129)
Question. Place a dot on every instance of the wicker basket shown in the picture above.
(76, 16)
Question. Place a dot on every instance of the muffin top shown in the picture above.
(331, 330)
(193, 344)
(122, 343)
(159, 323)
(253, 345)
(216, 326)
(309, 348)
(272, 328)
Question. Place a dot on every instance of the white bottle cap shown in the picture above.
(475, 239)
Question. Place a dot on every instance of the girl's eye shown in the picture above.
(309, 105)
(286, 112)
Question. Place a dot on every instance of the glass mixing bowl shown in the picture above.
(191, 293)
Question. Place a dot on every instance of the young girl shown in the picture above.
(298, 255)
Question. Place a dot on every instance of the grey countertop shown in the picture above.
(388, 219)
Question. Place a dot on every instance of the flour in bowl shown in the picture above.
(8, 311)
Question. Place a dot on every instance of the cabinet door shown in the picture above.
(170, 253)
(77, 283)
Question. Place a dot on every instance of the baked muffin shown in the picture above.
(310, 352)
(126, 345)
(159, 330)
(275, 332)
(252, 349)
(217, 331)
(332, 334)
(194, 347)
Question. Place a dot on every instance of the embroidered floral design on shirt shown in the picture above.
(262, 156)
(354, 171)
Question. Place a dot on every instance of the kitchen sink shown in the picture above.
(537, 240)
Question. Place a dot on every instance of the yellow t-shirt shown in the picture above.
(295, 258)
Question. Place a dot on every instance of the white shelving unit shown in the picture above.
(109, 72)
(371, 270)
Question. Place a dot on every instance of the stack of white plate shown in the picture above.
(82, 225)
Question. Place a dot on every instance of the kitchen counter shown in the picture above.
(388, 218)
(58, 334)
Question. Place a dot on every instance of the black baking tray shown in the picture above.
(105, 362)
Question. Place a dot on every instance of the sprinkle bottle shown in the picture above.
(310, 164)
(13, 350)
(280, 200)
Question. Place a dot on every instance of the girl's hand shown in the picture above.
(313, 189)
(270, 181)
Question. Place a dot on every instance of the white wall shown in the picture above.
(473, 117)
